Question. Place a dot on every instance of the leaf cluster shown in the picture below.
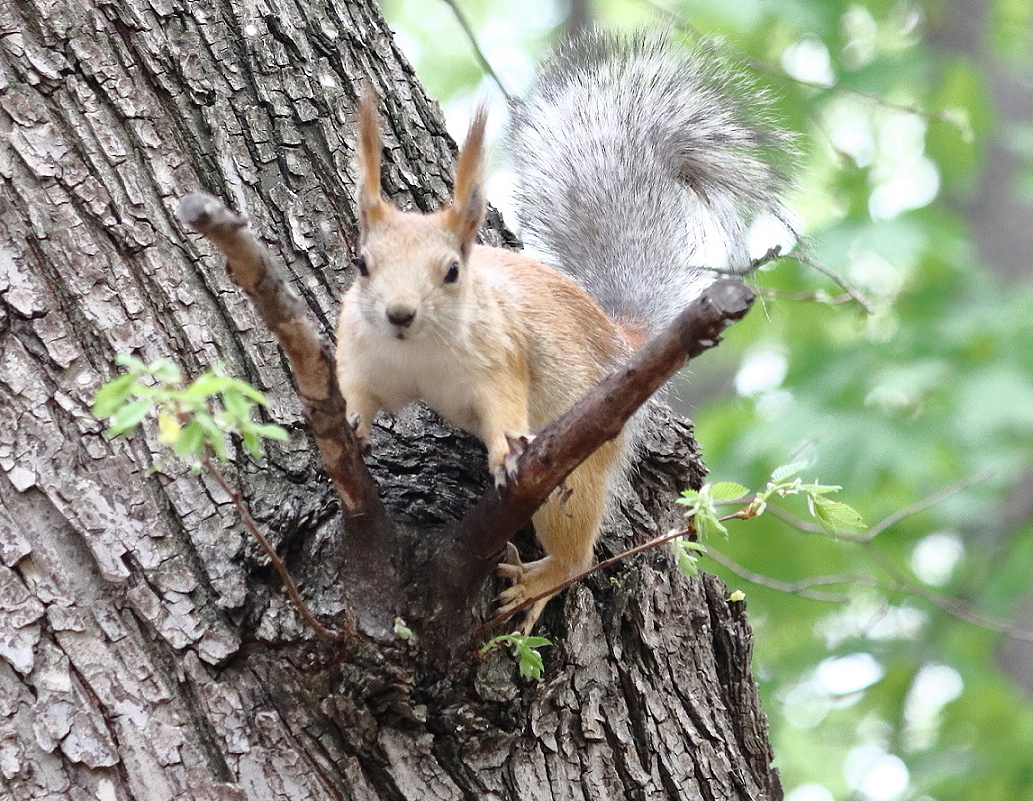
(524, 649)
(834, 517)
(193, 420)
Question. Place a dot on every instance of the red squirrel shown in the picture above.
(640, 175)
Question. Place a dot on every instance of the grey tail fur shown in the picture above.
(642, 164)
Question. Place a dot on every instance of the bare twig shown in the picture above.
(292, 590)
(803, 587)
(838, 279)
(922, 505)
(464, 23)
(952, 606)
(656, 542)
(807, 297)
(286, 316)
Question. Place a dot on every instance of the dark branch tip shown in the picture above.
(205, 213)
(731, 298)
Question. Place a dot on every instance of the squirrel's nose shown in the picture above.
(401, 315)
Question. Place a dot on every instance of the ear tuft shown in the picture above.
(468, 206)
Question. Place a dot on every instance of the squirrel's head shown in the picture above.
(412, 266)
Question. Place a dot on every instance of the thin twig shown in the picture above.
(254, 270)
(925, 503)
(838, 279)
(801, 587)
(807, 297)
(656, 542)
(292, 590)
(464, 23)
(953, 607)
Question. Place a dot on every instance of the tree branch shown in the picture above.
(251, 267)
(600, 416)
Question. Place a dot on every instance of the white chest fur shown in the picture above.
(428, 368)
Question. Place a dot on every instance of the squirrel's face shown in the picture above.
(411, 278)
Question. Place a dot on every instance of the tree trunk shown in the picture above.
(146, 648)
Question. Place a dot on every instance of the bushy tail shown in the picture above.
(642, 164)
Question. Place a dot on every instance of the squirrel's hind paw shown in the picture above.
(529, 581)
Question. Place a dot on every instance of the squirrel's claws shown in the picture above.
(361, 433)
(511, 566)
(505, 470)
(514, 596)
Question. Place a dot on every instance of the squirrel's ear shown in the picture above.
(466, 213)
(372, 208)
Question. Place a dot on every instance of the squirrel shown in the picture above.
(641, 165)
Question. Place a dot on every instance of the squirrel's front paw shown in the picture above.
(502, 462)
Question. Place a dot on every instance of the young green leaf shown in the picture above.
(129, 416)
(529, 661)
(687, 553)
(272, 431)
(785, 471)
(191, 442)
(835, 516)
(112, 396)
(165, 372)
(727, 491)
(132, 364)
(236, 405)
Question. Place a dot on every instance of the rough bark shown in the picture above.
(146, 650)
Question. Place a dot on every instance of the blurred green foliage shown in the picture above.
(876, 693)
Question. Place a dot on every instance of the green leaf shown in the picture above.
(252, 443)
(213, 435)
(707, 524)
(785, 471)
(686, 552)
(819, 489)
(112, 396)
(402, 631)
(250, 392)
(727, 491)
(529, 661)
(129, 416)
(131, 363)
(835, 516)
(206, 385)
(191, 442)
(688, 498)
(272, 431)
(236, 405)
(165, 371)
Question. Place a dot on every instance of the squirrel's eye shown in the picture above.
(453, 273)
(360, 265)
